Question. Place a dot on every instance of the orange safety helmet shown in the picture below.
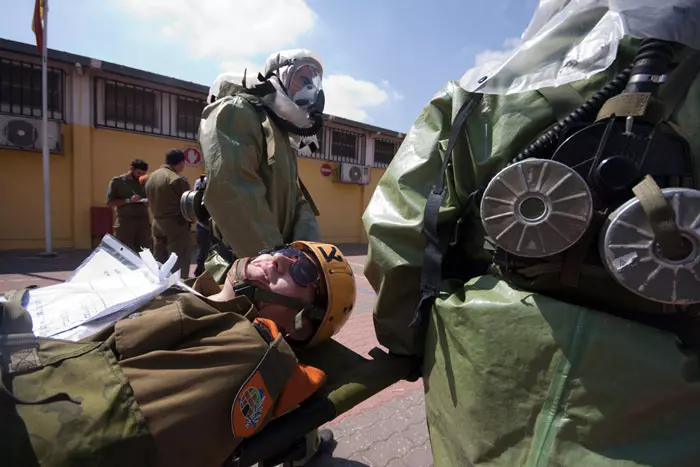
(337, 286)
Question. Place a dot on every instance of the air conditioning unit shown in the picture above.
(25, 133)
(353, 173)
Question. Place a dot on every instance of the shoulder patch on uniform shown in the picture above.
(251, 405)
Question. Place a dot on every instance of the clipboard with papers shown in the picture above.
(111, 283)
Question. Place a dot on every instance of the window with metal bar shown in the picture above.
(344, 146)
(20, 89)
(128, 106)
(319, 137)
(384, 151)
(141, 109)
(189, 114)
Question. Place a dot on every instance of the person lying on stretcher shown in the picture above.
(208, 371)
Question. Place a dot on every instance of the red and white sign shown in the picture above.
(326, 170)
(193, 156)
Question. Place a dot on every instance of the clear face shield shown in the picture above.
(304, 86)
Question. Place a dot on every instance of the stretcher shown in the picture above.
(352, 379)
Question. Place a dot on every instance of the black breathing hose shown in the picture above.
(586, 112)
(291, 128)
(651, 61)
(650, 64)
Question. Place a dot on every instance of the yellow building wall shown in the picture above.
(114, 150)
(341, 205)
(79, 180)
(22, 199)
(92, 156)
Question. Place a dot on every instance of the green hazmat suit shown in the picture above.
(514, 377)
(252, 192)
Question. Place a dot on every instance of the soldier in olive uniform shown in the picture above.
(171, 232)
(125, 193)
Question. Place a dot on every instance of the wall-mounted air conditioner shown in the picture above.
(25, 133)
(353, 173)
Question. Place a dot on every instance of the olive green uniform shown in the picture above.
(132, 225)
(171, 232)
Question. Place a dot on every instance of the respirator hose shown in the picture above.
(650, 64)
(586, 112)
(651, 61)
(291, 128)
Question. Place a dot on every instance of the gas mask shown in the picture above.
(290, 87)
(302, 81)
(625, 179)
(298, 99)
(191, 206)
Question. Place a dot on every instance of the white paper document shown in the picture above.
(110, 284)
(61, 307)
(101, 264)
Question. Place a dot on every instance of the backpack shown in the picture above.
(440, 235)
(532, 362)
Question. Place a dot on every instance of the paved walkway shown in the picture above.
(387, 430)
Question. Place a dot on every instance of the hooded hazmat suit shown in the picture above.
(513, 376)
(252, 193)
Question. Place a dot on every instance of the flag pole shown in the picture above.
(45, 131)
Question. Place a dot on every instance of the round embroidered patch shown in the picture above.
(250, 407)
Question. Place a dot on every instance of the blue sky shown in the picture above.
(383, 59)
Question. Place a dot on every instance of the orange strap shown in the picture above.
(303, 382)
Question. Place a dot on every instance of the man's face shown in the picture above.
(136, 173)
(273, 272)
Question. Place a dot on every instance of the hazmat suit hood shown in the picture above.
(297, 77)
(296, 97)
(223, 85)
(571, 40)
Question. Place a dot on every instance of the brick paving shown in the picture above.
(392, 433)
(387, 430)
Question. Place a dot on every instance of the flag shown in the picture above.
(38, 25)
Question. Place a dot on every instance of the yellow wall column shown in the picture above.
(368, 190)
(81, 142)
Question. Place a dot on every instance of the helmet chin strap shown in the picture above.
(242, 286)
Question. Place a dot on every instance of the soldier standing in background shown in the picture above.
(171, 232)
(132, 225)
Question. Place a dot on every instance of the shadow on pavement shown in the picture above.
(31, 261)
(353, 249)
(329, 461)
